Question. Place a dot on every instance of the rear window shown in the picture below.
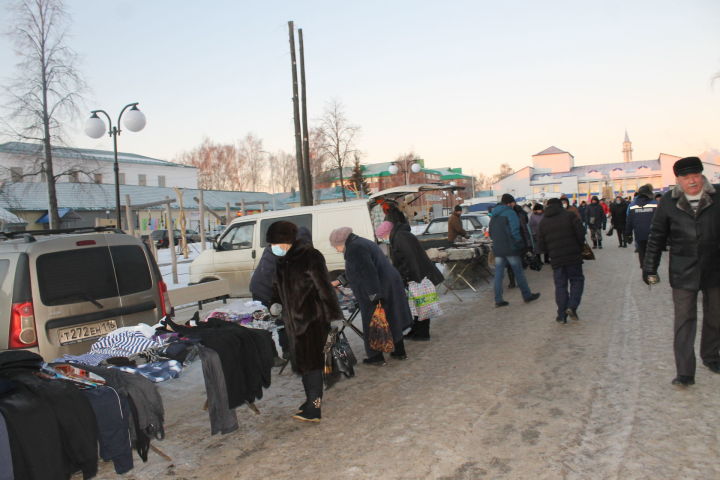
(298, 220)
(131, 267)
(73, 276)
(157, 234)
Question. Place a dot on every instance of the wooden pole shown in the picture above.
(242, 207)
(201, 206)
(305, 135)
(129, 216)
(171, 242)
(227, 213)
(183, 223)
(296, 118)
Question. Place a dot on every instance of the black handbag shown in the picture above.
(339, 358)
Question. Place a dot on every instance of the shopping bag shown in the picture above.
(423, 300)
(339, 358)
(379, 336)
(587, 253)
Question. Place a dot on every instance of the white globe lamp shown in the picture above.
(416, 167)
(135, 119)
(94, 127)
(393, 169)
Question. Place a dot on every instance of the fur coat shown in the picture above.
(302, 286)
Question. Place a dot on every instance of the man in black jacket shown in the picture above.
(618, 217)
(688, 219)
(561, 235)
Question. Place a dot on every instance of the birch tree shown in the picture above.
(337, 139)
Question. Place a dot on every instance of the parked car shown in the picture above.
(192, 236)
(61, 291)
(215, 232)
(436, 233)
(160, 237)
(240, 246)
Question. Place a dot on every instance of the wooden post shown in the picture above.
(129, 216)
(242, 207)
(171, 242)
(296, 118)
(201, 206)
(306, 139)
(227, 213)
(183, 223)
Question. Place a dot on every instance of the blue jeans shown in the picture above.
(516, 264)
(572, 275)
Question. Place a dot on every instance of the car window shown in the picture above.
(485, 221)
(131, 268)
(440, 226)
(299, 221)
(238, 237)
(74, 276)
(468, 224)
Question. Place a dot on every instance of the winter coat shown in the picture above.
(582, 211)
(595, 216)
(639, 218)
(505, 232)
(693, 239)
(524, 228)
(409, 257)
(371, 277)
(618, 214)
(562, 236)
(455, 228)
(309, 304)
(534, 224)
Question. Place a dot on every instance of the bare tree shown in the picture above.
(505, 171)
(337, 138)
(253, 158)
(219, 165)
(47, 88)
(318, 160)
(283, 171)
(483, 182)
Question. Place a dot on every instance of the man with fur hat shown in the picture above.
(309, 304)
(639, 218)
(688, 219)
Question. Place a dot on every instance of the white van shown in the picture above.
(239, 248)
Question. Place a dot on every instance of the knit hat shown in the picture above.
(384, 229)
(281, 232)
(507, 199)
(339, 236)
(594, 198)
(687, 165)
(538, 207)
(646, 191)
(553, 201)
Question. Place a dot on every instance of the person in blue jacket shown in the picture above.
(508, 246)
(639, 219)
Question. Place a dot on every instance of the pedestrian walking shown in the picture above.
(508, 246)
(413, 264)
(595, 220)
(618, 217)
(688, 219)
(639, 219)
(562, 236)
(582, 210)
(534, 223)
(373, 280)
(309, 304)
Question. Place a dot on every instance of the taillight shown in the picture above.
(164, 298)
(22, 326)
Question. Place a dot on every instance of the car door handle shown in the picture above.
(253, 254)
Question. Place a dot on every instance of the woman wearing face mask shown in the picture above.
(309, 304)
(595, 220)
(566, 205)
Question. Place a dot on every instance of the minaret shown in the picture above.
(627, 149)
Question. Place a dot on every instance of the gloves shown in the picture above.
(650, 278)
(276, 309)
(628, 238)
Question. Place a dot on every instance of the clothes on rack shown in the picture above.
(222, 418)
(111, 411)
(6, 465)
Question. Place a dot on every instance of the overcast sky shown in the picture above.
(466, 84)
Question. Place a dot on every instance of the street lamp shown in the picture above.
(95, 128)
(415, 168)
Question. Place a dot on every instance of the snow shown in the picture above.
(183, 266)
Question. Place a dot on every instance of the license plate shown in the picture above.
(83, 332)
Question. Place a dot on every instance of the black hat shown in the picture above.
(687, 165)
(538, 206)
(646, 191)
(553, 201)
(281, 232)
(457, 208)
(594, 198)
(507, 199)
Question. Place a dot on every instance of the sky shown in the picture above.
(469, 84)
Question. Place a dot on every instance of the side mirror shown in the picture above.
(215, 244)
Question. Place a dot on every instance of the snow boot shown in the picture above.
(421, 332)
(310, 410)
(399, 352)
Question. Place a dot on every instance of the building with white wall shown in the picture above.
(24, 162)
(553, 174)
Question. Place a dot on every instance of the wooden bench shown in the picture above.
(200, 293)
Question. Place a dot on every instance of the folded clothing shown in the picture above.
(123, 344)
(156, 371)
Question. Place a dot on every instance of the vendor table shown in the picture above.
(461, 258)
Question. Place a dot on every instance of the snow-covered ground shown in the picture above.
(183, 267)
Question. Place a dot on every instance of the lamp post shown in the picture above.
(95, 128)
(415, 168)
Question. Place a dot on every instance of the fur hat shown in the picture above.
(507, 199)
(687, 165)
(281, 232)
(646, 191)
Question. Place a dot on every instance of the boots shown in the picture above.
(399, 352)
(409, 335)
(310, 410)
(421, 331)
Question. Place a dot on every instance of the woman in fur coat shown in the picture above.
(374, 280)
(309, 304)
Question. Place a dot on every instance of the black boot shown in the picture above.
(414, 326)
(422, 331)
(399, 351)
(310, 410)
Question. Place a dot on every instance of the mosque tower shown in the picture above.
(627, 149)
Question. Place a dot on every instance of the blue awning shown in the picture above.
(62, 212)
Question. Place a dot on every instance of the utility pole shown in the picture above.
(296, 116)
(306, 139)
